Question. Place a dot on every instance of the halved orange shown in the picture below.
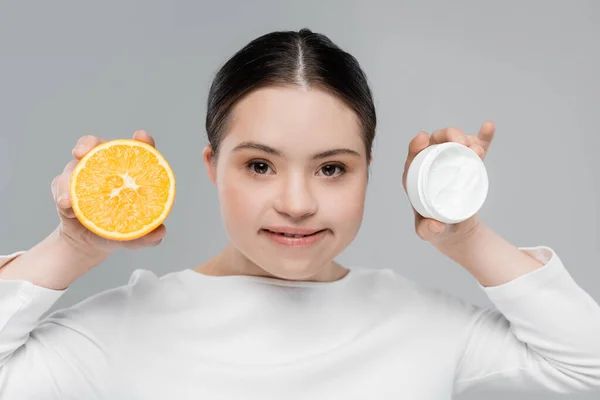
(122, 189)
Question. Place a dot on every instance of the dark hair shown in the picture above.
(288, 57)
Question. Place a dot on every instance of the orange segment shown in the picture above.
(122, 189)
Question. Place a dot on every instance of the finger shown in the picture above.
(67, 212)
(53, 187)
(449, 135)
(85, 144)
(477, 148)
(63, 201)
(472, 139)
(428, 229)
(157, 234)
(143, 136)
(486, 134)
(151, 239)
(417, 144)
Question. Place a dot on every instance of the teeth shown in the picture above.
(293, 236)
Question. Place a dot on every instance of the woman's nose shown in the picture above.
(296, 199)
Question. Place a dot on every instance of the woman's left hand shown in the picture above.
(432, 230)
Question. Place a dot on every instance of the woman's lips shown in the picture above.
(292, 238)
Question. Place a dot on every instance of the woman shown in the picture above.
(291, 123)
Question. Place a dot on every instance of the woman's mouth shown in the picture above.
(294, 237)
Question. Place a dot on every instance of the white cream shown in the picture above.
(454, 182)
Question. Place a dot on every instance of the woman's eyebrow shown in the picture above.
(277, 153)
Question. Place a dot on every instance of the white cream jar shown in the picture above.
(447, 182)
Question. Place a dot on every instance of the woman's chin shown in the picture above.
(295, 270)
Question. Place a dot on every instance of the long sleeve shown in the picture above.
(21, 306)
(63, 356)
(543, 333)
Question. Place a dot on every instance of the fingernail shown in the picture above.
(61, 197)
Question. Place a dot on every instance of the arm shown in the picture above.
(54, 263)
(544, 331)
(488, 257)
(65, 355)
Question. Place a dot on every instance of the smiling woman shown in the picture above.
(272, 315)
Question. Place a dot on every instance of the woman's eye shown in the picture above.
(332, 170)
(329, 170)
(259, 168)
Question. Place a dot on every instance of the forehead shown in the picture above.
(294, 119)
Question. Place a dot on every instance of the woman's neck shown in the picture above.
(230, 261)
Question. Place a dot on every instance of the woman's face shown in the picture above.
(291, 175)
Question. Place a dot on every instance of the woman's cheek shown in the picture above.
(343, 204)
(242, 200)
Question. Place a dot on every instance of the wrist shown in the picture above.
(75, 247)
(461, 236)
(53, 263)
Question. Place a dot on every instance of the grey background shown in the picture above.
(108, 68)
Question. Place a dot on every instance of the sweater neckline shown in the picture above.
(189, 273)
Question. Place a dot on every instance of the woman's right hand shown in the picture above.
(71, 229)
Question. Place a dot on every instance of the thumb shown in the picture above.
(428, 229)
(63, 186)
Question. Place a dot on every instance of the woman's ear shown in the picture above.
(208, 157)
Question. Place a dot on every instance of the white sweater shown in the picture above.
(371, 335)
